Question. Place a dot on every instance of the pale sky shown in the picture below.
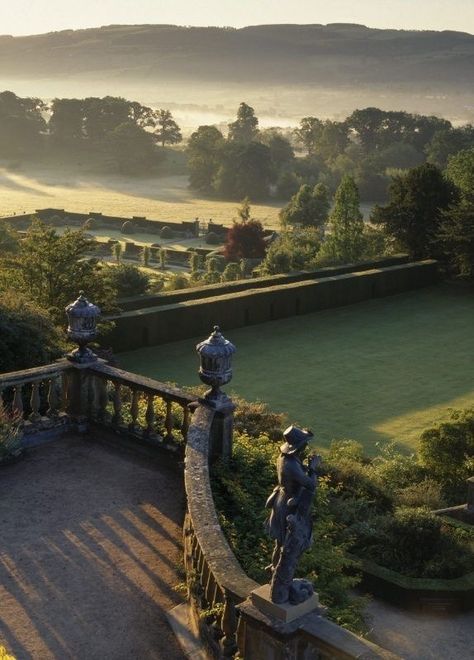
(37, 16)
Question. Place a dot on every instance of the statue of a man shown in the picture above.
(290, 522)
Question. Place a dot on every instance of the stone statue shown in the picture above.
(290, 522)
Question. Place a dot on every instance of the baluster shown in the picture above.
(102, 398)
(2, 403)
(53, 398)
(134, 409)
(18, 402)
(117, 403)
(35, 416)
(185, 427)
(169, 421)
(229, 627)
(150, 414)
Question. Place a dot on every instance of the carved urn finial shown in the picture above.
(82, 327)
(215, 354)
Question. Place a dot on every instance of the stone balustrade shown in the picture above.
(128, 403)
(36, 397)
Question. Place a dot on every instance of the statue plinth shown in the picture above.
(284, 612)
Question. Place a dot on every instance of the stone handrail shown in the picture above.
(218, 581)
(128, 390)
(35, 396)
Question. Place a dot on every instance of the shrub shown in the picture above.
(232, 273)
(177, 281)
(447, 453)
(426, 493)
(127, 227)
(212, 238)
(166, 232)
(28, 336)
(252, 417)
(126, 279)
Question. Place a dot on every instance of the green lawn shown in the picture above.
(383, 369)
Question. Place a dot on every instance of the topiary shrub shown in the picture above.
(90, 223)
(127, 227)
(166, 232)
(212, 238)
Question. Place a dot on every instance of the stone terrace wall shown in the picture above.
(183, 320)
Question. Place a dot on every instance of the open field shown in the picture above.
(380, 370)
(164, 198)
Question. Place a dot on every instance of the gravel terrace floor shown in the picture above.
(90, 545)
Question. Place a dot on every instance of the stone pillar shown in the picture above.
(270, 632)
(77, 389)
(222, 431)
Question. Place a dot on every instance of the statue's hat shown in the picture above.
(295, 439)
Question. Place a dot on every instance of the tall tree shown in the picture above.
(21, 125)
(52, 268)
(309, 207)
(345, 243)
(245, 171)
(309, 133)
(204, 148)
(168, 131)
(245, 127)
(413, 214)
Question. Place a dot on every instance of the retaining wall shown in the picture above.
(191, 318)
(229, 288)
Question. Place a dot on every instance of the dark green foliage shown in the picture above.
(448, 142)
(245, 170)
(460, 171)
(204, 147)
(53, 268)
(455, 238)
(126, 279)
(447, 453)
(21, 125)
(309, 207)
(415, 543)
(413, 214)
(28, 336)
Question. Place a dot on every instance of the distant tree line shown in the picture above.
(370, 146)
(116, 134)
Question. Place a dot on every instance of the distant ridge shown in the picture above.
(334, 54)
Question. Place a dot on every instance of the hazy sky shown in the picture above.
(36, 16)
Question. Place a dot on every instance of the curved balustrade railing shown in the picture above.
(139, 406)
(36, 397)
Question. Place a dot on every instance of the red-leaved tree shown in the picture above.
(245, 241)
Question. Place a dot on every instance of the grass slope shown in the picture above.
(380, 370)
